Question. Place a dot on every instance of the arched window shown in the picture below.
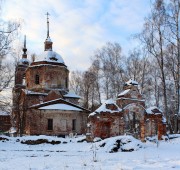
(37, 79)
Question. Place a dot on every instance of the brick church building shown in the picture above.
(42, 103)
(126, 115)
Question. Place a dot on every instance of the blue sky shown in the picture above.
(78, 27)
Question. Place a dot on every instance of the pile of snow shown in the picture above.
(120, 143)
(103, 108)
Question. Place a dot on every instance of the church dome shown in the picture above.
(23, 61)
(51, 56)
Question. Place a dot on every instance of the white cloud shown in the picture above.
(79, 27)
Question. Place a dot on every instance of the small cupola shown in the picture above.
(24, 60)
(131, 84)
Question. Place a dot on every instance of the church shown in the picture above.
(42, 103)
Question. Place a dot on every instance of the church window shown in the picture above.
(50, 124)
(37, 79)
(66, 82)
(74, 124)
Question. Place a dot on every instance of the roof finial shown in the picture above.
(47, 24)
(24, 48)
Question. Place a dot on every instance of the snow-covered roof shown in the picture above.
(131, 82)
(24, 61)
(60, 106)
(51, 56)
(103, 108)
(4, 113)
(124, 92)
(153, 110)
(163, 119)
(33, 92)
(72, 95)
(12, 130)
(57, 101)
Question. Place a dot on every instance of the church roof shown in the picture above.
(23, 61)
(153, 110)
(51, 56)
(60, 106)
(104, 108)
(52, 104)
(124, 92)
(71, 95)
(131, 82)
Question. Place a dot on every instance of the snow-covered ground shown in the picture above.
(73, 155)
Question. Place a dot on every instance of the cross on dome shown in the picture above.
(48, 43)
(47, 24)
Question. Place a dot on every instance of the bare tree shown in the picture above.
(8, 33)
(110, 60)
(173, 37)
(153, 37)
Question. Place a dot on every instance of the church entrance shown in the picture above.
(105, 129)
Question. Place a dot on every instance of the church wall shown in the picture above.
(154, 126)
(106, 125)
(50, 76)
(124, 102)
(5, 123)
(20, 74)
(62, 122)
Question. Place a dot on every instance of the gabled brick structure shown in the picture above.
(132, 118)
(106, 121)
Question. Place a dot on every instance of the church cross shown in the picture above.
(47, 24)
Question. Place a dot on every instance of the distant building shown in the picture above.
(42, 103)
(127, 116)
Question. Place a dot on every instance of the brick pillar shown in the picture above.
(160, 131)
(142, 131)
(164, 129)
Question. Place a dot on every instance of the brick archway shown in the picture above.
(134, 120)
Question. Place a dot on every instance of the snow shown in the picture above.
(151, 110)
(124, 92)
(51, 56)
(127, 143)
(103, 108)
(131, 82)
(33, 92)
(72, 95)
(48, 39)
(12, 130)
(60, 107)
(86, 156)
(125, 98)
(4, 113)
(24, 61)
